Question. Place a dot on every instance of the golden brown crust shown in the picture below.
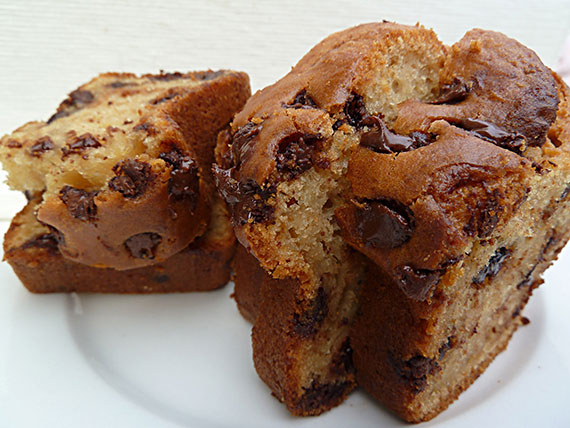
(167, 189)
(204, 265)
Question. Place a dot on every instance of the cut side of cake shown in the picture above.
(436, 176)
(123, 166)
(32, 250)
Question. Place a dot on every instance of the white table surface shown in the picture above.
(48, 48)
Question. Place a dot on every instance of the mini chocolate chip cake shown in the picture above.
(403, 199)
(32, 250)
(123, 166)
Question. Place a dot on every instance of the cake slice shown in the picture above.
(32, 251)
(123, 166)
(447, 167)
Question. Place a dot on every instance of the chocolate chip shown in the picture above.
(120, 84)
(525, 321)
(75, 101)
(132, 178)
(493, 266)
(184, 180)
(319, 396)
(41, 146)
(209, 74)
(355, 111)
(241, 142)
(414, 371)
(485, 214)
(77, 145)
(145, 127)
(453, 93)
(528, 279)
(80, 203)
(306, 323)
(416, 283)
(13, 144)
(160, 279)
(143, 245)
(564, 193)
(166, 77)
(47, 241)
(295, 153)
(341, 362)
(450, 343)
(381, 140)
(170, 95)
(492, 133)
(249, 202)
(383, 223)
(302, 100)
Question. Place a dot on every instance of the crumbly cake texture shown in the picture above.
(124, 164)
(447, 167)
(32, 250)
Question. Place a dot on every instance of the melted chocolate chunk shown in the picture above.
(184, 183)
(492, 133)
(132, 178)
(493, 267)
(451, 340)
(120, 84)
(302, 100)
(381, 140)
(77, 145)
(414, 372)
(146, 127)
(305, 324)
(485, 215)
(295, 153)
(453, 93)
(355, 111)
(143, 245)
(80, 203)
(75, 101)
(47, 241)
(41, 146)
(160, 279)
(320, 395)
(248, 201)
(166, 77)
(342, 362)
(384, 223)
(168, 96)
(417, 283)
(13, 144)
(241, 142)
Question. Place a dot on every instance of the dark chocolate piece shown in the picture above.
(383, 223)
(305, 324)
(146, 127)
(160, 279)
(342, 362)
(13, 144)
(241, 142)
(492, 133)
(47, 241)
(417, 283)
(184, 183)
(485, 215)
(446, 347)
(320, 395)
(143, 245)
(414, 371)
(170, 95)
(295, 153)
(381, 140)
(41, 146)
(80, 203)
(78, 144)
(75, 101)
(132, 178)
(166, 77)
(564, 193)
(120, 84)
(248, 201)
(453, 93)
(493, 267)
(209, 74)
(302, 100)
(355, 111)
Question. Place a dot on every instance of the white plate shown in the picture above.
(185, 361)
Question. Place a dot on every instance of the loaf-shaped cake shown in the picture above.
(123, 166)
(446, 167)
